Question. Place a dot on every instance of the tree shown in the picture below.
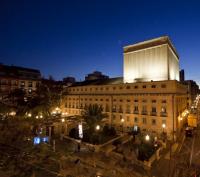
(93, 115)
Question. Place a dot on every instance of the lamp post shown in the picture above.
(163, 126)
(147, 137)
(122, 121)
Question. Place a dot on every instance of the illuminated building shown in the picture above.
(151, 60)
(147, 97)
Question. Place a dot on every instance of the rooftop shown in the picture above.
(150, 43)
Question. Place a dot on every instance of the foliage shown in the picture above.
(93, 115)
(146, 150)
(74, 133)
(109, 131)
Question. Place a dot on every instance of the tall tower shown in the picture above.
(155, 59)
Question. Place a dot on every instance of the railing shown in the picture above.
(163, 114)
(144, 113)
(153, 113)
(136, 112)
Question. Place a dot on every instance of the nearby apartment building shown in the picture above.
(14, 77)
(147, 97)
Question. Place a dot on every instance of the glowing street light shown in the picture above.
(62, 120)
(147, 137)
(98, 127)
(36, 117)
(29, 114)
(163, 126)
(41, 116)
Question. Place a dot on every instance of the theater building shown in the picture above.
(148, 96)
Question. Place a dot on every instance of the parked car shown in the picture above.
(189, 132)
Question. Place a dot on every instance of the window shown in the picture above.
(120, 88)
(107, 88)
(153, 86)
(153, 121)
(128, 109)
(144, 110)
(164, 101)
(128, 87)
(114, 108)
(30, 84)
(127, 118)
(144, 120)
(107, 108)
(164, 122)
(114, 100)
(153, 101)
(85, 89)
(121, 100)
(136, 87)
(144, 86)
(96, 99)
(114, 88)
(135, 119)
(154, 109)
(135, 100)
(163, 86)
(163, 109)
(101, 88)
(85, 99)
(96, 88)
(101, 99)
(107, 99)
(128, 100)
(120, 109)
(114, 117)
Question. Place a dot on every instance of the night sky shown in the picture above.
(76, 37)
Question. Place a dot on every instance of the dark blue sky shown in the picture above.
(76, 37)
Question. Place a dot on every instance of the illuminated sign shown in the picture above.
(80, 131)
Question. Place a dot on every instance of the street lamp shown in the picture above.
(122, 121)
(36, 117)
(98, 127)
(29, 115)
(63, 120)
(41, 116)
(147, 137)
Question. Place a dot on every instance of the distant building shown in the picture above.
(192, 90)
(95, 75)
(14, 77)
(182, 75)
(67, 81)
(151, 60)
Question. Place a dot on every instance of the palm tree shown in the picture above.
(93, 115)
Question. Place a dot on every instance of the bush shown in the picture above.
(109, 131)
(145, 151)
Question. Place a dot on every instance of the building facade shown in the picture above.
(151, 60)
(147, 105)
(149, 96)
(13, 77)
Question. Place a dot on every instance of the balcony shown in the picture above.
(144, 113)
(153, 113)
(120, 111)
(128, 111)
(113, 110)
(163, 114)
(135, 112)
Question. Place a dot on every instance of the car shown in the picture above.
(189, 132)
